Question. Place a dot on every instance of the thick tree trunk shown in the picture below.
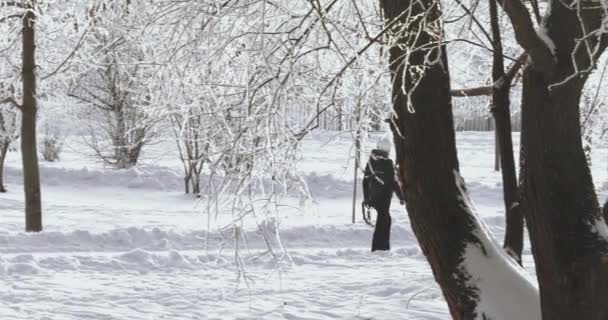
(441, 215)
(568, 233)
(563, 217)
(31, 175)
(514, 234)
(3, 150)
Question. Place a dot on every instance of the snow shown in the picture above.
(541, 30)
(544, 36)
(129, 245)
(600, 228)
(501, 285)
(500, 281)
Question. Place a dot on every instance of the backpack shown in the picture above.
(378, 181)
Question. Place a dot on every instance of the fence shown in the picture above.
(484, 122)
(481, 121)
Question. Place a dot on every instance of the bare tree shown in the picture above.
(9, 132)
(26, 11)
(29, 109)
(121, 122)
(192, 137)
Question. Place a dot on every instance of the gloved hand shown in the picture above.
(402, 202)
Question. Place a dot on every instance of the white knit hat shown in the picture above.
(385, 143)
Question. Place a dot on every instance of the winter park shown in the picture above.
(318, 159)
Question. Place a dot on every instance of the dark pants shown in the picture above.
(382, 233)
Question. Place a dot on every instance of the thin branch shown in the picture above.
(536, 10)
(487, 90)
(472, 92)
(11, 4)
(11, 16)
(12, 101)
(78, 44)
(471, 14)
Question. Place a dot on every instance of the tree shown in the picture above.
(26, 11)
(192, 137)
(501, 89)
(568, 234)
(112, 83)
(9, 132)
(29, 108)
(465, 261)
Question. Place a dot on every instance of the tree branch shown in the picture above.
(472, 92)
(80, 41)
(11, 4)
(12, 101)
(11, 16)
(487, 90)
(526, 36)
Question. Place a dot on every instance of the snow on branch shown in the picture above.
(488, 90)
(505, 290)
(10, 101)
(528, 37)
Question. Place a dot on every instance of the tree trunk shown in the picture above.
(442, 218)
(187, 183)
(567, 231)
(563, 217)
(357, 160)
(514, 233)
(31, 175)
(196, 183)
(3, 150)
(121, 143)
(496, 150)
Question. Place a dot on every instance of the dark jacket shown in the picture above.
(379, 181)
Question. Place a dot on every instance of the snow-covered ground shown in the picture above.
(130, 245)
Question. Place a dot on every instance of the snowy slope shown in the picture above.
(129, 245)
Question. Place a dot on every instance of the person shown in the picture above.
(379, 183)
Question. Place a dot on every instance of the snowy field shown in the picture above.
(130, 245)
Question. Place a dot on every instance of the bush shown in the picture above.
(51, 148)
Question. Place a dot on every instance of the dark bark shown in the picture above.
(561, 205)
(559, 199)
(3, 150)
(426, 157)
(527, 37)
(514, 234)
(496, 149)
(31, 175)
(605, 210)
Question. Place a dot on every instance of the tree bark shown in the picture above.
(496, 150)
(31, 175)
(3, 150)
(562, 210)
(437, 204)
(514, 233)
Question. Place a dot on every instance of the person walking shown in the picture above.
(379, 183)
